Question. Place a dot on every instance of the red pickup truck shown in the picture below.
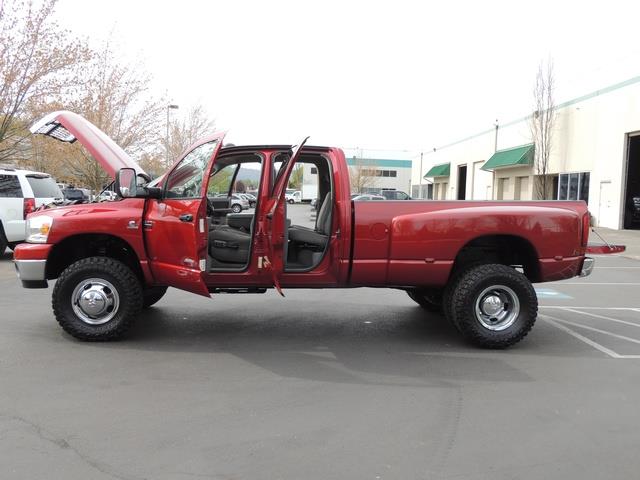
(474, 260)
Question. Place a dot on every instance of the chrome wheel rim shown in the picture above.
(95, 301)
(497, 307)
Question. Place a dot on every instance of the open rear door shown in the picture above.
(276, 221)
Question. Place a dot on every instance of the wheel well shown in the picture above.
(503, 249)
(77, 247)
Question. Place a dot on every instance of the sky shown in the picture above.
(395, 76)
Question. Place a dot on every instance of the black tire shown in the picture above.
(91, 271)
(428, 298)
(152, 295)
(493, 306)
(236, 208)
(290, 201)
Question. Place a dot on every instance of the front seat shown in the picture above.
(231, 243)
(319, 236)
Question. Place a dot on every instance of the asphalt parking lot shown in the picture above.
(357, 384)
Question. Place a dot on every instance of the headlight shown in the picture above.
(38, 228)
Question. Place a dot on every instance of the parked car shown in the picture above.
(476, 262)
(77, 195)
(249, 198)
(367, 197)
(107, 196)
(238, 203)
(21, 192)
(293, 196)
(395, 195)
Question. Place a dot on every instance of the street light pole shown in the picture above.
(420, 187)
(169, 107)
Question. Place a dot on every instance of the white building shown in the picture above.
(387, 170)
(595, 157)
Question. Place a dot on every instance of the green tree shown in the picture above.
(295, 180)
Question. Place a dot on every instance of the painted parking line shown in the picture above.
(616, 320)
(554, 321)
(563, 307)
(563, 325)
(617, 268)
(597, 283)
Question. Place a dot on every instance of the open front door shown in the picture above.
(276, 222)
(175, 226)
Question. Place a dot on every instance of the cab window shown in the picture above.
(185, 181)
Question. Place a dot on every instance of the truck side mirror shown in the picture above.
(126, 183)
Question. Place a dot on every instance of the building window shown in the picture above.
(386, 173)
(573, 186)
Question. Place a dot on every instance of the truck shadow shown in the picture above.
(398, 347)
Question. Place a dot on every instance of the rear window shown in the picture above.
(73, 194)
(44, 186)
(10, 186)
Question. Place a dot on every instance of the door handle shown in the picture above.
(186, 217)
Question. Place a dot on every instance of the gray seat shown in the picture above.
(231, 243)
(319, 236)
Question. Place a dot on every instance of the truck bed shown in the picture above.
(417, 242)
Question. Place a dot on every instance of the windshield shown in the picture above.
(44, 186)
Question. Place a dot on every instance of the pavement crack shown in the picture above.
(63, 444)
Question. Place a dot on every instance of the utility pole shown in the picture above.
(421, 192)
(169, 107)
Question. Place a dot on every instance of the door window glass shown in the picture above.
(186, 179)
(10, 186)
(220, 183)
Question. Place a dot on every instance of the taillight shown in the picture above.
(28, 207)
(586, 226)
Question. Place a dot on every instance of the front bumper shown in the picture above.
(30, 261)
(32, 273)
(587, 266)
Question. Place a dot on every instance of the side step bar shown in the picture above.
(238, 290)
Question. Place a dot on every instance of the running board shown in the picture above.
(238, 290)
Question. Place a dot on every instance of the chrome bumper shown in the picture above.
(32, 273)
(587, 266)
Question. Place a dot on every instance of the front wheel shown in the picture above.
(493, 306)
(97, 299)
(236, 208)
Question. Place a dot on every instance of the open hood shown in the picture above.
(69, 127)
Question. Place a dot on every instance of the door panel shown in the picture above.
(606, 212)
(176, 246)
(175, 226)
(276, 216)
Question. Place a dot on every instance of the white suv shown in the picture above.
(21, 192)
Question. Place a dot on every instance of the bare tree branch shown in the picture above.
(541, 126)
